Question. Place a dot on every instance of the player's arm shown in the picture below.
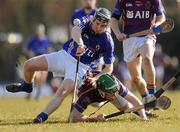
(159, 13)
(108, 56)
(76, 35)
(136, 103)
(131, 98)
(79, 107)
(159, 20)
(107, 69)
(114, 22)
(76, 116)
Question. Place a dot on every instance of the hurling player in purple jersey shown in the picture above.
(106, 88)
(139, 15)
(90, 41)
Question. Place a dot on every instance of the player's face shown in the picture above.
(98, 26)
(108, 96)
(89, 4)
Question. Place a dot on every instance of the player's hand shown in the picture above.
(154, 33)
(101, 117)
(80, 51)
(121, 36)
(91, 81)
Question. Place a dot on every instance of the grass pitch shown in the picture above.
(16, 114)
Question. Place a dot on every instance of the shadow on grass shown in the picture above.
(27, 122)
(53, 121)
(15, 122)
(169, 118)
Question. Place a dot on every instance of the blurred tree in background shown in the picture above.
(22, 15)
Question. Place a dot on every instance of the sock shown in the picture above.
(151, 88)
(26, 86)
(43, 116)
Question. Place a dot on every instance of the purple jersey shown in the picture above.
(137, 14)
(82, 15)
(96, 45)
(88, 96)
(38, 46)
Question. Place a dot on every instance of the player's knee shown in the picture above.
(136, 79)
(62, 92)
(147, 61)
(28, 66)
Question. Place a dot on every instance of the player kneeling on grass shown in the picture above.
(106, 88)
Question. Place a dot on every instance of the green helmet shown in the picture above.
(107, 84)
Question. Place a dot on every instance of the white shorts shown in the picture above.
(134, 46)
(63, 64)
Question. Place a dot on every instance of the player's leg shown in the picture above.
(147, 52)
(134, 68)
(61, 93)
(38, 63)
(134, 60)
(65, 88)
(40, 78)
